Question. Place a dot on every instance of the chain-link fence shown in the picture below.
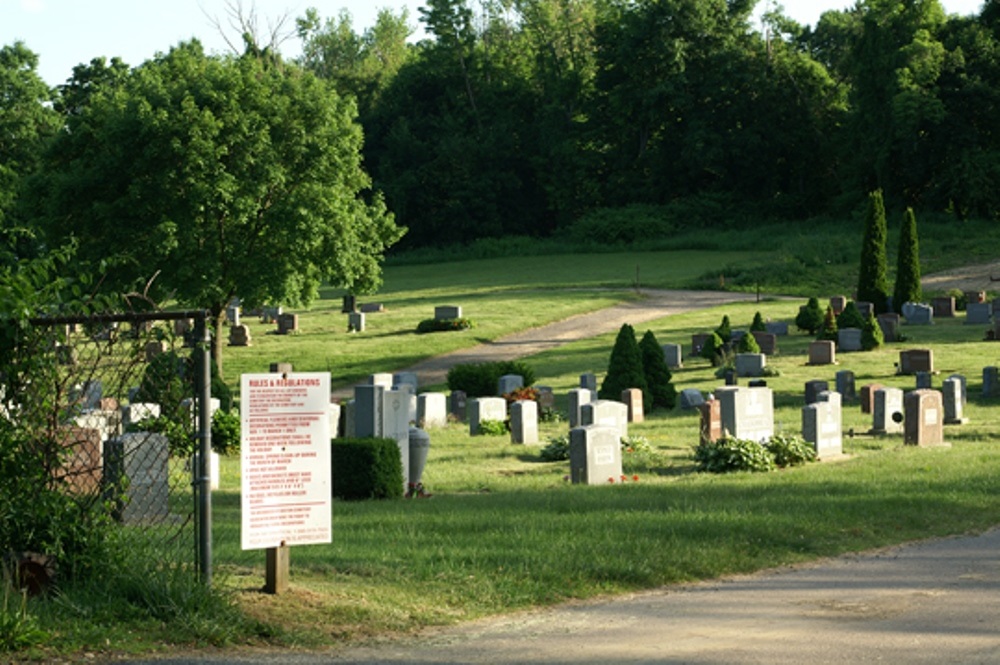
(111, 410)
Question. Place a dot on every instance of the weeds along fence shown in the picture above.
(114, 412)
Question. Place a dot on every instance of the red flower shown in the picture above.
(611, 480)
(635, 478)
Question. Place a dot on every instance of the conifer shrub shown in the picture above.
(810, 317)
(907, 287)
(871, 334)
(758, 324)
(724, 330)
(714, 350)
(367, 468)
(748, 344)
(873, 280)
(662, 393)
(625, 369)
(828, 330)
(850, 317)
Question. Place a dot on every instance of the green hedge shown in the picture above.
(481, 379)
(366, 469)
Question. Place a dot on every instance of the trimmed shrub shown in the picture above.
(758, 324)
(850, 317)
(871, 335)
(443, 325)
(828, 330)
(481, 379)
(226, 432)
(907, 287)
(748, 344)
(624, 367)
(714, 350)
(873, 280)
(557, 449)
(810, 317)
(725, 330)
(662, 392)
(493, 427)
(366, 469)
(731, 454)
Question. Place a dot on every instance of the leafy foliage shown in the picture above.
(790, 450)
(625, 368)
(872, 336)
(714, 350)
(481, 379)
(850, 317)
(226, 432)
(556, 450)
(443, 325)
(366, 469)
(725, 331)
(493, 427)
(758, 325)
(748, 344)
(731, 454)
(828, 330)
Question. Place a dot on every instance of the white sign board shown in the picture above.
(285, 459)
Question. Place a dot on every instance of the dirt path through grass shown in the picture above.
(654, 305)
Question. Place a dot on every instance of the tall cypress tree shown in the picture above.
(661, 392)
(907, 264)
(873, 281)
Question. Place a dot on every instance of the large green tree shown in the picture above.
(873, 279)
(220, 177)
(907, 287)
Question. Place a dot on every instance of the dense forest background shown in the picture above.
(530, 117)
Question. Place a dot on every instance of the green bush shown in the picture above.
(730, 454)
(872, 336)
(556, 450)
(748, 344)
(226, 432)
(481, 379)
(443, 325)
(790, 450)
(170, 378)
(907, 288)
(181, 438)
(661, 392)
(873, 280)
(828, 330)
(810, 317)
(725, 330)
(366, 469)
(714, 350)
(493, 427)
(625, 368)
(631, 225)
(850, 317)
(758, 324)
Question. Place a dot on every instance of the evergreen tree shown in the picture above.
(873, 282)
(871, 334)
(758, 324)
(829, 329)
(850, 317)
(661, 391)
(625, 368)
(907, 264)
(748, 344)
(724, 330)
(810, 317)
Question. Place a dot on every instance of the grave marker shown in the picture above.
(710, 428)
(356, 322)
(887, 413)
(821, 426)
(980, 314)
(595, 455)
(606, 413)
(868, 396)
(814, 388)
(944, 307)
(508, 383)
(577, 397)
(845, 385)
(924, 421)
(136, 476)
(432, 410)
(524, 422)
(447, 312)
(991, 382)
(632, 398)
(951, 401)
(588, 380)
(822, 352)
(849, 339)
(750, 364)
(747, 413)
(673, 355)
(485, 408)
(912, 361)
(691, 398)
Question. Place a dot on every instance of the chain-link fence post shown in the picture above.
(203, 485)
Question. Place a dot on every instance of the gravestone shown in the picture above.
(546, 398)
(747, 413)
(777, 328)
(822, 352)
(458, 405)
(912, 361)
(240, 336)
(944, 307)
(356, 322)
(136, 477)
(432, 410)
(768, 342)
(750, 364)
(849, 339)
(369, 404)
(919, 315)
(447, 312)
(87, 395)
(632, 398)
(710, 428)
(396, 425)
(814, 388)
(865, 309)
(524, 422)
(280, 368)
(838, 303)
(964, 384)
(410, 379)
(673, 355)
(868, 396)
(485, 408)
(233, 315)
(136, 412)
(288, 323)
(383, 379)
(821, 426)
(730, 377)
(183, 327)
(991, 382)
(349, 303)
(951, 402)
(923, 380)
(845, 385)
(995, 304)
(576, 398)
(372, 307)
(334, 413)
(508, 383)
(979, 314)
(189, 410)
(887, 412)
(588, 380)
(975, 297)
(105, 421)
(691, 398)
(697, 342)
(606, 413)
(80, 459)
(350, 420)
(924, 421)
(595, 455)
(889, 323)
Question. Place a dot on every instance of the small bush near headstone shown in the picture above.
(549, 415)
(872, 336)
(480, 379)
(731, 454)
(443, 325)
(625, 368)
(226, 432)
(828, 331)
(790, 450)
(493, 427)
(758, 324)
(961, 299)
(639, 455)
(714, 350)
(725, 330)
(850, 317)
(810, 317)
(556, 450)
(748, 344)
(366, 469)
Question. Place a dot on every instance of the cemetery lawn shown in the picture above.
(505, 531)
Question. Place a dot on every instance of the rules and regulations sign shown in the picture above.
(285, 459)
